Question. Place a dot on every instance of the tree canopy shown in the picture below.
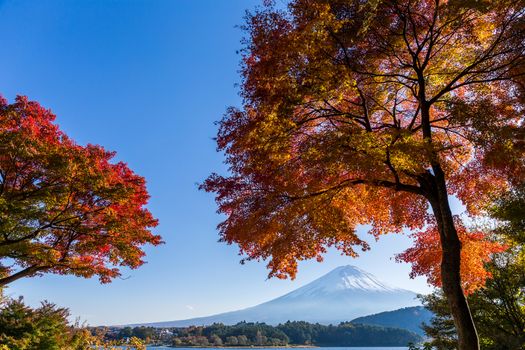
(65, 208)
(331, 133)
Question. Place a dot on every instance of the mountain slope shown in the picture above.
(409, 318)
(341, 295)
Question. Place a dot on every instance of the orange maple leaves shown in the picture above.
(331, 134)
(425, 256)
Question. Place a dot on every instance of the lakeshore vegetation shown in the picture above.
(246, 334)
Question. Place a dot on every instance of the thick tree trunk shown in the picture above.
(29, 271)
(450, 244)
(450, 264)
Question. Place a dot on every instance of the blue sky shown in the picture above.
(148, 79)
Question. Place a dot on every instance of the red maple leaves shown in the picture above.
(65, 208)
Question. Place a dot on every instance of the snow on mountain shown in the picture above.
(344, 278)
(343, 294)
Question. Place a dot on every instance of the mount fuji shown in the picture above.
(341, 295)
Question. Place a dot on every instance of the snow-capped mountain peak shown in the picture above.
(344, 278)
(341, 295)
(352, 277)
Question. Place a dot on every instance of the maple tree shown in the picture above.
(65, 208)
(371, 112)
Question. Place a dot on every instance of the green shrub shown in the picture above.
(43, 328)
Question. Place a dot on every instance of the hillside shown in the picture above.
(409, 318)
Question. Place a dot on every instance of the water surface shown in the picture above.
(290, 348)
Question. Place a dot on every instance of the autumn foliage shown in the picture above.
(332, 135)
(477, 250)
(65, 208)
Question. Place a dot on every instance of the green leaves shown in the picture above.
(45, 327)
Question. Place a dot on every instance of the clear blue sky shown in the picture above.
(148, 79)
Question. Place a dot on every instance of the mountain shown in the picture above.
(339, 296)
(409, 318)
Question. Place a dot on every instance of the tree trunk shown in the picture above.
(450, 264)
(29, 271)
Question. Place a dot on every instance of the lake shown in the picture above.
(334, 348)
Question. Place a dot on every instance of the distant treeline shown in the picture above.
(261, 334)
